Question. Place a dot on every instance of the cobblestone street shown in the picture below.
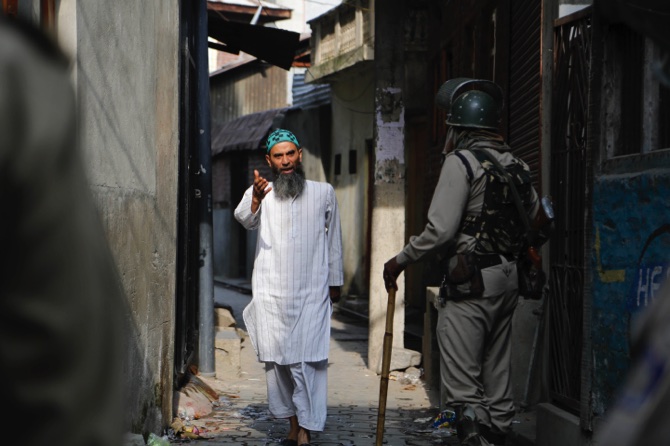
(241, 415)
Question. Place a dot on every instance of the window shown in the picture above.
(338, 164)
(664, 118)
(353, 156)
(636, 115)
(631, 48)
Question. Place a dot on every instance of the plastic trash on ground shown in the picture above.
(155, 440)
(446, 419)
(442, 425)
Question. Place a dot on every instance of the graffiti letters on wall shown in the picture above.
(650, 275)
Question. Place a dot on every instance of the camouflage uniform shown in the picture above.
(474, 333)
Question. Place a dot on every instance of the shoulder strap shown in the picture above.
(465, 162)
(515, 193)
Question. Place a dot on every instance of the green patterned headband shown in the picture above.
(281, 135)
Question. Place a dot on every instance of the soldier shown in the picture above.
(475, 221)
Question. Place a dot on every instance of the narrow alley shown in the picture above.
(385, 141)
(240, 416)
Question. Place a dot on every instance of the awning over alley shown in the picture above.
(247, 132)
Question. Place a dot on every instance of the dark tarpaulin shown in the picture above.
(275, 46)
(247, 132)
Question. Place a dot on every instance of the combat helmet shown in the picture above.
(471, 102)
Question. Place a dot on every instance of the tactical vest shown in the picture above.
(499, 227)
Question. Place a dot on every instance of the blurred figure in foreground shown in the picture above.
(640, 414)
(61, 302)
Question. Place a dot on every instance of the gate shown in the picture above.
(569, 169)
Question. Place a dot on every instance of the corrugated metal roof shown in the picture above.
(242, 59)
(309, 95)
(247, 132)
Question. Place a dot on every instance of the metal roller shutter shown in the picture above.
(524, 83)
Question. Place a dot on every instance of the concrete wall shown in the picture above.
(127, 85)
(353, 102)
(388, 213)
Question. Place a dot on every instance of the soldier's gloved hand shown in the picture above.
(392, 270)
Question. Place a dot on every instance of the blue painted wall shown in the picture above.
(630, 260)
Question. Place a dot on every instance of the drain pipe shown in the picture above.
(204, 200)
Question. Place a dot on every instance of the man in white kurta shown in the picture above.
(297, 271)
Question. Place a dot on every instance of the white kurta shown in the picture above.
(298, 256)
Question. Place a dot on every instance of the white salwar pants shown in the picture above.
(299, 389)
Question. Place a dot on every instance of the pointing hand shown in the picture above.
(261, 189)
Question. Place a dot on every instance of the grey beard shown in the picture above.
(289, 185)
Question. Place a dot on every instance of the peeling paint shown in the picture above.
(618, 275)
(389, 171)
(390, 116)
(390, 106)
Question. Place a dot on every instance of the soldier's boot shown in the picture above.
(468, 430)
